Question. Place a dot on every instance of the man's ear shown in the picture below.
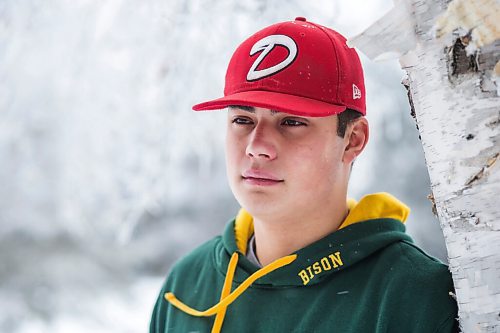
(356, 138)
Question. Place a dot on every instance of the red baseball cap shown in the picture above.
(296, 67)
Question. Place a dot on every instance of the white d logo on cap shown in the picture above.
(266, 45)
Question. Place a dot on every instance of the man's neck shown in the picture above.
(287, 234)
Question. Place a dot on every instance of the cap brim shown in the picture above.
(300, 106)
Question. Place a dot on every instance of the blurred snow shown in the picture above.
(107, 176)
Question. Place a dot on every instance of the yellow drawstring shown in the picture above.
(226, 289)
(226, 300)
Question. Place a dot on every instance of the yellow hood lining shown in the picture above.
(371, 206)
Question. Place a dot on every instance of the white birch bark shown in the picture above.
(458, 116)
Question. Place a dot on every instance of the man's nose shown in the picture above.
(261, 144)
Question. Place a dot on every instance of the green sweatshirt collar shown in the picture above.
(382, 218)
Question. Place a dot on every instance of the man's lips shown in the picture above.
(259, 177)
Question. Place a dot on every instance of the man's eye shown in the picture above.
(293, 122)
(242, 121)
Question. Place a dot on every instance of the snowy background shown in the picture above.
(106, 176)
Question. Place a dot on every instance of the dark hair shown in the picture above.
(345, 118)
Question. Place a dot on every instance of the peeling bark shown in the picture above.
(460, 62)
(453, 88)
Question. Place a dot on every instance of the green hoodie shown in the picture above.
(368, 276)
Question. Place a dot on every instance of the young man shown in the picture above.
(300, 257)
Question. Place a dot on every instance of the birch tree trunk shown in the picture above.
(450, 51)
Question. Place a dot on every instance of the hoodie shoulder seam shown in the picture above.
(415, 247)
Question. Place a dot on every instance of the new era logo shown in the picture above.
(356, 93)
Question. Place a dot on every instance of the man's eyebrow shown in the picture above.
(250, 109)
(243, 107)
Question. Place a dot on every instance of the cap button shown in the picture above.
(300, 18)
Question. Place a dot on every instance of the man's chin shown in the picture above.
(261, 206)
